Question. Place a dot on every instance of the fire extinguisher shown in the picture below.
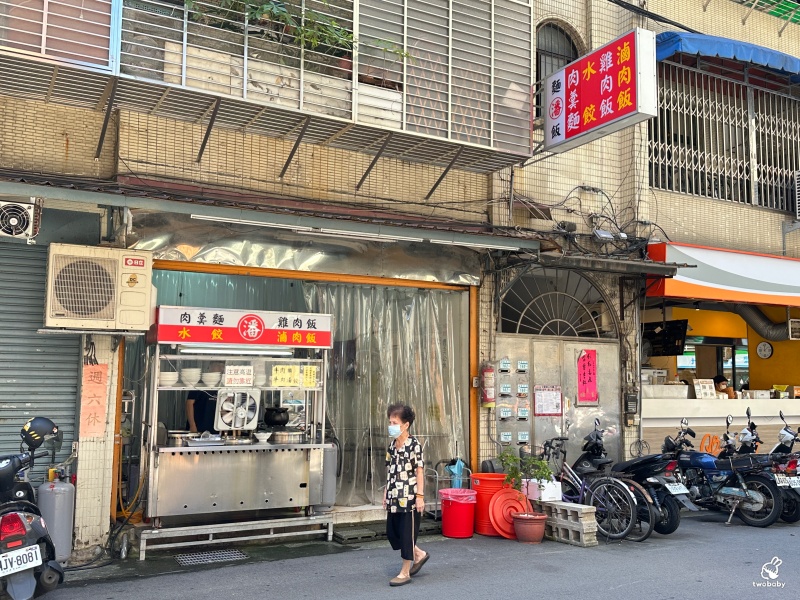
(487, 385)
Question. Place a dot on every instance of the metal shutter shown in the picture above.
(38, 373)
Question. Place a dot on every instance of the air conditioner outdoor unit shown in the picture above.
(20, 219)
(96, 288)
(794, 329)
(601, 315)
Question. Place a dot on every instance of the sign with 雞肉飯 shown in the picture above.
(600, 93)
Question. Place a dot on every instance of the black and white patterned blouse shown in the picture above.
(401, 468)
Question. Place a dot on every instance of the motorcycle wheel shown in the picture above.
(615, 508)
(48, 580)
(773, 502)
(791, 508)
(670, 516)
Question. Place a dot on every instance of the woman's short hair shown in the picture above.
(402, 411)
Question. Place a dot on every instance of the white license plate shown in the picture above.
(19, 560)
(676, 488)
(794, 482)
(781, 480)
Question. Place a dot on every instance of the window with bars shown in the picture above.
(554, 50)
(720, 135)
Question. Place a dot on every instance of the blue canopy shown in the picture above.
(671, 42)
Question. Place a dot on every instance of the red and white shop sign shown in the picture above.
(600, 93)
(182, 325)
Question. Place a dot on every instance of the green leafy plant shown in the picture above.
(519, 469)
(305, 28)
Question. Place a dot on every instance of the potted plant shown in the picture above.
(378, 70)
(520, 471)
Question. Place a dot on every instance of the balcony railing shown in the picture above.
(458, 71)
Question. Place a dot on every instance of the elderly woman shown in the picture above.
(403, 497)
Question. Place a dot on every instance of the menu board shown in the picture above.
(286, 376)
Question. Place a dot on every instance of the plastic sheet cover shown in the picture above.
(178, 237)
(393, 346)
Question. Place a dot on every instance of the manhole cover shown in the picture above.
(205, 558)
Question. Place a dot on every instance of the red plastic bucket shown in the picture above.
(486, 484)
(458, 512)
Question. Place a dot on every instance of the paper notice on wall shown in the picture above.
(547, 401)
(587, 377)
(94, 401)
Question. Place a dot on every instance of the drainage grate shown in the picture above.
(205, 558)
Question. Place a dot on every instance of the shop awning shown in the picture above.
(727, 275)
(673, 42)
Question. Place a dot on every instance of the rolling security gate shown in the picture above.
(38, 373)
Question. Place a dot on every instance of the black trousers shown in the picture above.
(402, 531)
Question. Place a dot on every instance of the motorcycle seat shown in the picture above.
(599, 462)
(737, 462)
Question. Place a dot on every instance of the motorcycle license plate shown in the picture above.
(676, 488)
(19, 560)
(781, 480)
(794, 482)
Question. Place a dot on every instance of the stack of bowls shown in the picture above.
(167, 378)
(190, 376)
(210, 378)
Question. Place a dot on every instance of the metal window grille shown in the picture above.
(77, 32)
(554, 50)
(720, 138)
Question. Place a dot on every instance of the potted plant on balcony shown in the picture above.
(520, 472)
(378, 70)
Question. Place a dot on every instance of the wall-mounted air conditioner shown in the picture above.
(96, 288)
(20, 219)
(601, 316)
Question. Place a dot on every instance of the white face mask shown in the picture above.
(394, 431)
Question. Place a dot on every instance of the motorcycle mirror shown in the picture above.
(690, 432)
(596, 423)
(684, 422)
(748, 413)
(729, 419)
(780, 412)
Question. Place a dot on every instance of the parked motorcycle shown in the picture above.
(656, 473)
(27, 554)
(778, 466)
(737, 484)
(784, 466)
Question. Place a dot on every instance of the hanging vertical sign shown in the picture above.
(600, 93)
(94, 405)
(587, 377)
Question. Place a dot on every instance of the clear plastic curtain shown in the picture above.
(393, 345)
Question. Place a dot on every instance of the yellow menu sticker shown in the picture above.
(286, 376)
(309, 376)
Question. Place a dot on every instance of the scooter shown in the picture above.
(27, 554)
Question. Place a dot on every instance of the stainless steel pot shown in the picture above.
(288, 437)
(178, 437)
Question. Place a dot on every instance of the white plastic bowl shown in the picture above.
(211, 379)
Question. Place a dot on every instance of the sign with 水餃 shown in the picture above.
(600, 93)
(208, 326)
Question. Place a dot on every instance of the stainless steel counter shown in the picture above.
(219, 479)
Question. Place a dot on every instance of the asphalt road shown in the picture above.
(704, 560)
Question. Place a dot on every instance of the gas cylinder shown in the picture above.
(56, 500)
